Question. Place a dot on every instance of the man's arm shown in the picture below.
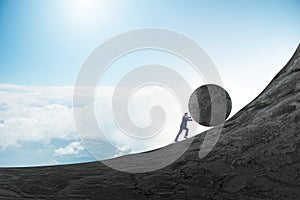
(188, 118)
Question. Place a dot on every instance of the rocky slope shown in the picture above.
(256, 157)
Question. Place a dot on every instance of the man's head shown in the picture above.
(186, 114)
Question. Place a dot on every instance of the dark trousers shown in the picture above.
(181, 129)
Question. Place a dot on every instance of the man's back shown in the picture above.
(184, 121)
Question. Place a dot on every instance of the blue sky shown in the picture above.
(44, 43)
(41, 40)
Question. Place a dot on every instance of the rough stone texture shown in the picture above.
(210, 105)
(257, 157)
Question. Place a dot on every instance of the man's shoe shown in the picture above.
(185, 137)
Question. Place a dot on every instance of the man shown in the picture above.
(183, 125)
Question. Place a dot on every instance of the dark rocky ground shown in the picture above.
(256, 157)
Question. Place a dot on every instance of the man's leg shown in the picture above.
(186, 132)
(178, 134)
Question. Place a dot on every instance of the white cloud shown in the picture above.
(35, 95)
(35, 114)
(72, 149)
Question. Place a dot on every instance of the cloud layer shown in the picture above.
(35, 115)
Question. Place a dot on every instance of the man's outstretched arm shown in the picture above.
(188, 118)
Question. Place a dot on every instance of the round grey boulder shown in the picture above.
(210, 105)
